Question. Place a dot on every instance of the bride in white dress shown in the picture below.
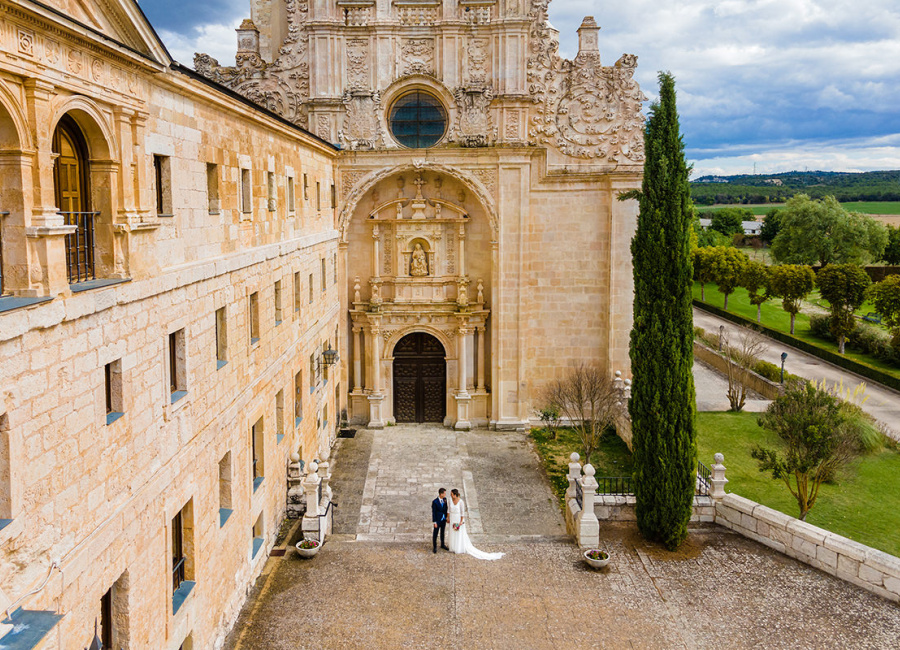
(459, 539)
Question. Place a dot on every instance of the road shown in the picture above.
(883, 404)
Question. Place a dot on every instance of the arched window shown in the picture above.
(418, 120)
(70, 178)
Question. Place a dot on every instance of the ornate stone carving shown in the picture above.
(450, 251)
(281, 86)
(362, 126)
(480, 297)
(349, 178)
(51, 51)
(415, 14)
(476, 59)
(474, 128)
(488, 178)
(358, 64)
(418, 262)
(26, 42)
(356, 296)
(512, 126)
(584, 109)
(417, 56)
(388, 254)
(97, 70)
(73, 62)
(323, 126)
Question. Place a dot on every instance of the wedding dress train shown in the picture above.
(459, 541)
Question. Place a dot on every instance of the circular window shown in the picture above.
(418, 120)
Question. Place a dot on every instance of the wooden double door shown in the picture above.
(420, 379)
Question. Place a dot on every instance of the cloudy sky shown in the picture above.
(770, 85)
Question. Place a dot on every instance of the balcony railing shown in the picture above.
(80, 246)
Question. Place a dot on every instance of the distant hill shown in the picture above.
(776, 188)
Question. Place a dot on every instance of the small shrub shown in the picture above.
(768, 370)
(820, 326)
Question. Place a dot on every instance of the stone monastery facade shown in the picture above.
(423, 187)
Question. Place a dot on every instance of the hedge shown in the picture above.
(825, 355)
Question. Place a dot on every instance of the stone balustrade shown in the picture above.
(866, 567)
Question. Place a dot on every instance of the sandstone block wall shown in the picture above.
(864, 566)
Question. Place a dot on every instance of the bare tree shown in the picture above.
(744, 354)
(587, 397)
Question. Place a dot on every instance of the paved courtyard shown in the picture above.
(376, 584)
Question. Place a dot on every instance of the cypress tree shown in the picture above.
(662, 406)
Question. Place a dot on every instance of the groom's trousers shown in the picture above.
(434, 535)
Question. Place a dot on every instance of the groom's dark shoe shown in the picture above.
(443, 547)
(434, 550)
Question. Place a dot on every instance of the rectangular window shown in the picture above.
(246, 194)
(272, 202)
(333, 197)
(298, 398)
(318, 196)
(257, 449)
(254, 318)
(334, 267)
(221, 338)
(225, 508)
(113, 621)
(177, 371)
(212, 187)
(278, 314)
(182, 555)
(162, 176)
(291, 202)
(324, 277)
(258, 533)
(113, 390)
(298, 291)
(310, 288)
(305, 187)
(279, 417)
(313, 372)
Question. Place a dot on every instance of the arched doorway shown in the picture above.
(71, 182)
(420, 379)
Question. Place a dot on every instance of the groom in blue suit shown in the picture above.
(439, 519)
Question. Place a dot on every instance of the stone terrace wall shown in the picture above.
(866, 567)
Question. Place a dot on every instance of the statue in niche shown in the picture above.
(418, 263)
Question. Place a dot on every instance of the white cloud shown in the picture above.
(217, 40)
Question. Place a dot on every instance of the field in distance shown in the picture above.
(866, 207)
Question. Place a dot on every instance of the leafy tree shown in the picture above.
(792, 283)
(662, 403)
(892, 249)
(844, 287)
(702, 262)
(818, 437)
(727, 269)
(730, 221)
(770, 226)
(755, 280)
(822, 231)
(712, 238)
(885, 295)
(588, 397)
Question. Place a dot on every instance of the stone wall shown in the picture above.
(864, 566)
(753, 381)
(99, 493)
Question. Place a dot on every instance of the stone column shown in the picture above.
(310, 485)
(376, 420)
(462, 249)
(376, 249)
(357, 359)
(479, 385)
(463, 398)
(587, 526)
(717, 479)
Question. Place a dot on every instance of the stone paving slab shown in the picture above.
(719, 591)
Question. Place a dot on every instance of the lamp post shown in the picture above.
(783, 357)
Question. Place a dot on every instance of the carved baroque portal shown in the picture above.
(580, 108)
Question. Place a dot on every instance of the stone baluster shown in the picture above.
(587, 525)
(325, 469)
(573, 475)
(310, 484)
(376, 244)
(295, 489)
(717, 478)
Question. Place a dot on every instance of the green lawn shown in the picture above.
(866, 207)
(611, 458)
(775, 317)
(862, 505)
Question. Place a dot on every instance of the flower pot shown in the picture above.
(593, 563)
(307, 552)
